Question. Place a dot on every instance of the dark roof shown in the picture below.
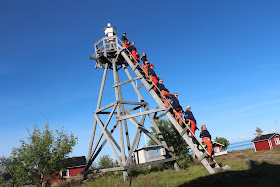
(78, 162)
(264, 137)
(216, 143)
(7, 176)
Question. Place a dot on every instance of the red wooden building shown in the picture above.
(266, 141)
(75, 168)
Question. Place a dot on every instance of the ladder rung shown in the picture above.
(202, 156)
(151, 87)
(184, 131)
(135, 67)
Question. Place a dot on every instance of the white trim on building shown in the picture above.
(270, 144)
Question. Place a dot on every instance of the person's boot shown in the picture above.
(210, 161)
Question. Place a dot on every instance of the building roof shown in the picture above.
(216, 143)
(264, 137)
(78, 162)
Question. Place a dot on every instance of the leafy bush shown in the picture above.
(184, 160)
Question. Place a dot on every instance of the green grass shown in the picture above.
(196, 175)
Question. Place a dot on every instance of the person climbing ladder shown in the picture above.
(206, 139)
(177, 109)
(165, 94)
(146, 66)
(153, 76)
(189, 119)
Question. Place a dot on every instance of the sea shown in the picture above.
(240, 145)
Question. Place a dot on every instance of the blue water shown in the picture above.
(240, 145)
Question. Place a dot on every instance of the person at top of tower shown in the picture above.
(206, 138)
(189, 119)
(124, 38)
(153, 76)
(177, 109)
(165, 94)
(143, 57)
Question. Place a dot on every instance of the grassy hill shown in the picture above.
(263, 172)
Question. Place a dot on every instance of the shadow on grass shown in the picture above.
(264, 175)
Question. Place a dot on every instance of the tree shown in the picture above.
(7, 165)
(258, 131)
(2, 164)
(42, 154)
(223, 141)
(172, 138)
(105, 161)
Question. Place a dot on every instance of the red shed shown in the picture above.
(266, 142)
(217, 148)
(75, 168)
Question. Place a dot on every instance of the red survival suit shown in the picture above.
(153, 76)
(189, 118)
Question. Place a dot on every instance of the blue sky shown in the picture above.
(222, 57)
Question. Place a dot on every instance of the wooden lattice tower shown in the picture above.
(111, 55)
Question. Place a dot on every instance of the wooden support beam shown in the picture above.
(133, 83)
(138, 87)
(97, 107)
(105, 107)
(164, 113)
(151, 163)
(140, 114)
(106, 124)
(117, 95)
(150, 135)
(123, 113)
(136, 139)
(135, 108)
(138, 165)
(107, 113)
(133, 103)
(133, 120)
(125, 82)
(108, 138)
(93, 156)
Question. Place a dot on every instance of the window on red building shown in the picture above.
(277, 142)
(65, 173)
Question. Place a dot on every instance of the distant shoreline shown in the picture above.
(240, 145)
